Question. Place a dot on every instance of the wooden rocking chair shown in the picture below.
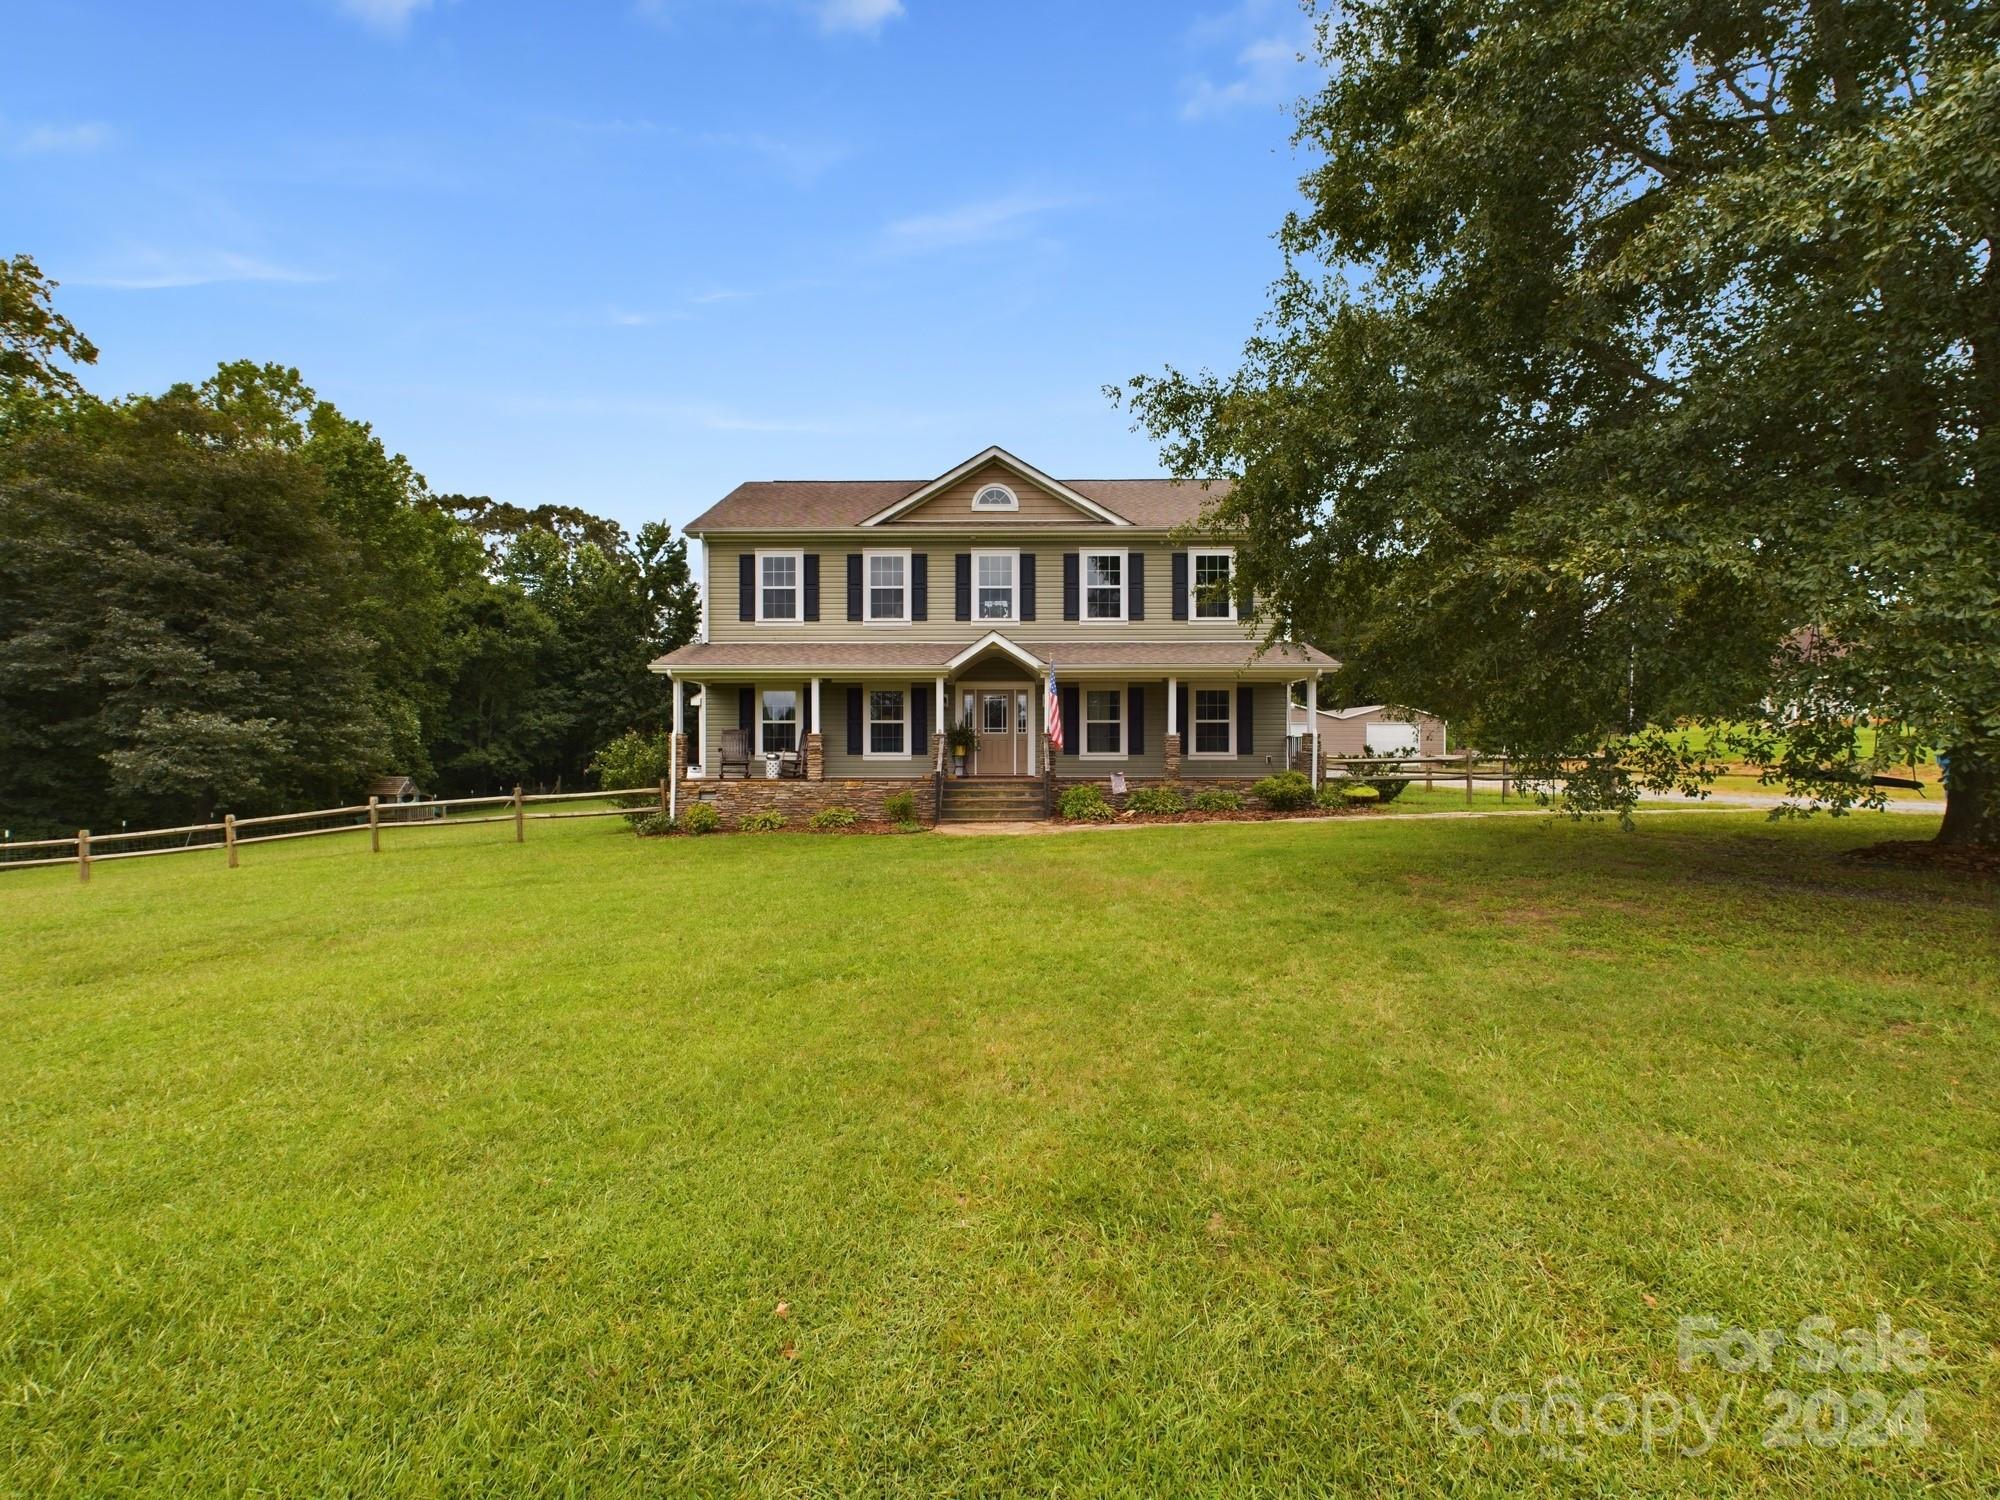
(735, 752)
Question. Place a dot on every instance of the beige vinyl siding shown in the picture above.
(939, 625)
(1267, 738)
(833, 739)
(1037, 506)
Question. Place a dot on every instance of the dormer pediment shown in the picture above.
(994, 488)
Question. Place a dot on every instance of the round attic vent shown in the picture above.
(995, 497)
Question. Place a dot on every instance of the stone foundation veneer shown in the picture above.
(1170, 756)
(799, 800)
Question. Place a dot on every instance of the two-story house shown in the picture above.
(848, 624)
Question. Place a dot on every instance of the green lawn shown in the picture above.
(1197, 1159)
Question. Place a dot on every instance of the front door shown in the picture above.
(1000, 715)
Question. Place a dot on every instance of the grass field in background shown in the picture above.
(1200, 1159)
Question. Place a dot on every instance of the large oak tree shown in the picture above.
(1636, 364)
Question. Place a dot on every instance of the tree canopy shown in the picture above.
(232, 596)
(1635, 365)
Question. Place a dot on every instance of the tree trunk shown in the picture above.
(1971, 802)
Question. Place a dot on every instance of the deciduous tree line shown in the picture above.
(231, 596)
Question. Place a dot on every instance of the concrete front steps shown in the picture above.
(995, 799)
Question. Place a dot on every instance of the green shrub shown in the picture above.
(909, 825)
(769, 820)
(1217, 799)
(1155, 799)
(1389, 787)
(829, 818)
(1363, 793)
(652, 825)
(900, 808)
(1329, 796)
(1285, 791)
(700, 818)
(631, 760)
(1085, 803)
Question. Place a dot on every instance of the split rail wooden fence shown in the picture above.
(84, 848)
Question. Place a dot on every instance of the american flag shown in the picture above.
(1054, 715)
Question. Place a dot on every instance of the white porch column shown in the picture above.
(815, 727)
(943, 725)
(1313, 706)
(1173, 705)
(700, 756)
(673, 758)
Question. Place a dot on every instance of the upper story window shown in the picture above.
(888, 585)
(778, 585)
(1104, 585)
(993, 578)
(1209, 582)
(995, 497)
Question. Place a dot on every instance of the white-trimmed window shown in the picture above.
(1103, 723)
(1213, 732)
(993, 576)
(888, 725)
(777, 720)
(995, 497)
(1104, 585)
(888, 580)
(780, 576)
(1209, 578)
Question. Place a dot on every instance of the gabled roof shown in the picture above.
(836, 504)
(1001, 457)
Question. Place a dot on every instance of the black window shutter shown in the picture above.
(1180, 585)
(920, 585)
(961, 567)
(1071, 610)
(1026, 581)
(1072, 728)
(806, 725)
(854, 585)
(811, 601)
(1181, 716)
(1245, 713)
(746, 708)
(746, 586)
(1136, 716)
(920, 718)
(854, 721)
(1135, 585)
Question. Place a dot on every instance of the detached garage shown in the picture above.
(1377, 728)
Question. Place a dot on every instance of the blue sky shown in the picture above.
(624, 255)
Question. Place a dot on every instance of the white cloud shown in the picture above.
(1269, 72)
(153, 270)
(390, 16)
(89, 135)
(857, 15)
(981, 222)
(1270, 46)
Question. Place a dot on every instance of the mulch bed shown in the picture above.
(1923, 854)
(1241, 815)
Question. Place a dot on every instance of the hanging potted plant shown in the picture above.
(963, 743)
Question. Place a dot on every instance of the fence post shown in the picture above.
(374, 825)
(1430, 770)
(520, 817)
(229, 837)
(663, 792)
(1468, 778)
(1503, 778)
(83, 855)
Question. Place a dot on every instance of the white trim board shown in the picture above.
(1001, 456)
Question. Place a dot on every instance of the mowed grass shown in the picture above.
(1201, 1159)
